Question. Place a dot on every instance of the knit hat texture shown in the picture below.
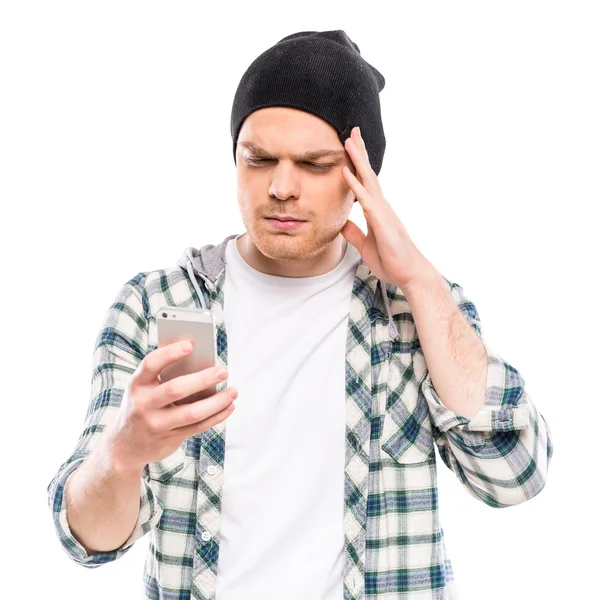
(320, 72)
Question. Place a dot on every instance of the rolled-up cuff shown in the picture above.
(149, 514)
(505, 407)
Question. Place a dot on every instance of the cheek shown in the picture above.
(331, 184)
(252, 183)
(342, 193)
(243, 178)
(248, 185)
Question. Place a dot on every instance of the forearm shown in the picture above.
(102, 501)
(455, 357)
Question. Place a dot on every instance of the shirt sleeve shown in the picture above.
(502, 454)
(119, 348)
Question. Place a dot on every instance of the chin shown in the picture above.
(282, 246)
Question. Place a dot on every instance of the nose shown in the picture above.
(284, 181)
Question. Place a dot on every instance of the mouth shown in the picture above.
(285, 223)
(284, 218)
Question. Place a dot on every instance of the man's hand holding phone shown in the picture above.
(149, 427)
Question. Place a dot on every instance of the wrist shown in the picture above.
(116, 459)
(429, 279)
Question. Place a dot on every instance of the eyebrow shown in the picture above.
(310, 155)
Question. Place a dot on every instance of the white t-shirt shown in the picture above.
(283, 493)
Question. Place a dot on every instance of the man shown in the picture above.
(351, 355)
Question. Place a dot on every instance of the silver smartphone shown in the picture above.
(197, 325)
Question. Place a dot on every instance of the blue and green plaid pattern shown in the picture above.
(394, 545)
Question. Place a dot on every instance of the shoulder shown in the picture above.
(168, 286)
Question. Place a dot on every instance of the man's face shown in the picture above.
(278, 174)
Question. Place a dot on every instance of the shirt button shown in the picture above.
(206, 536)
(211, 470)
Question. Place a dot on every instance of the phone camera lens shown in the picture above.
(164, 315)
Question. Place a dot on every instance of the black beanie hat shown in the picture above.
(321, 72)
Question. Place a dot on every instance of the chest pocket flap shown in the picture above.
(163, 470)
(407, 430)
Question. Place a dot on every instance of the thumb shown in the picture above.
(354, 235)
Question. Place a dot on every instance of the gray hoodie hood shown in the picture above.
(209, 261)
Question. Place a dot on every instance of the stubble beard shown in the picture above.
(291, 246)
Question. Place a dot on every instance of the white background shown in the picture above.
(116, 155)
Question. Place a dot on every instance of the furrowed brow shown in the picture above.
(311, 155)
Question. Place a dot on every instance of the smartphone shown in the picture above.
(197, 325)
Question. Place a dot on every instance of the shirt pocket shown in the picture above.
(406, 445)
(407, 435)
(173, 482)
(164, 470)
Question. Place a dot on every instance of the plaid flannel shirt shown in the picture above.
(393, 540)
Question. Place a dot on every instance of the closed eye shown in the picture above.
(316, 166)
